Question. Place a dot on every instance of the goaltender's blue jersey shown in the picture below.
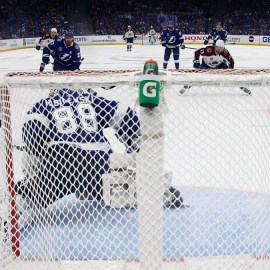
(69, 56)
(172, 38)
(71, 116)
(215, 35)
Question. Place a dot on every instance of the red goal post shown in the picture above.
(216, 144)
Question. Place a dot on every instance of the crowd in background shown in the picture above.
(30, 18)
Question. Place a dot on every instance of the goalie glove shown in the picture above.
(127, 128)
(133, 144)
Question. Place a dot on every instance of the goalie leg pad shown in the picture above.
(119, 189)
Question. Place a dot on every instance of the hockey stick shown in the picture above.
(190, 48)
(109, 87)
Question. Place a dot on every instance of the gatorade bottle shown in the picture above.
(149, 90)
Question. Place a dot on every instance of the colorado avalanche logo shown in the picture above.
(65, 57)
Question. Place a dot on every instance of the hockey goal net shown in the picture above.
(211, 143)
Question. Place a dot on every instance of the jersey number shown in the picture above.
(65, 119)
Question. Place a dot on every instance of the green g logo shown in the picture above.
(149, 93)
(150, 89)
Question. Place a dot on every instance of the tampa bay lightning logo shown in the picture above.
(65, 57)
(171, 39)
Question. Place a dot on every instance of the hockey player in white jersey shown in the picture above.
(213, 57)
(47, 38)
(129, 37)
(152, 34)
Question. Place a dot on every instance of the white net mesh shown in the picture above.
(92, 180)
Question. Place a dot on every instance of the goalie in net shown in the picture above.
(67, 152)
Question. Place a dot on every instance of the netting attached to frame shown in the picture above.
(89, 179)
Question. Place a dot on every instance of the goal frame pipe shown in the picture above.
(13, 222)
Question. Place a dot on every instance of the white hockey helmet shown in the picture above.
(129, 26)
(53, 30)
(220, 43)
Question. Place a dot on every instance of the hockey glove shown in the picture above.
(38, 46)
(205, 42)
(163, 43)
(182, 46)
(196, 63)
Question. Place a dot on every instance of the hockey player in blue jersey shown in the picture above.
(65, 53)
(171, 39)
(66, 146)
(217, 33)
(67, 151)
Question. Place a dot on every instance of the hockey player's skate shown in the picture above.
(173, 199)
(247, 91)
(183, 90)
